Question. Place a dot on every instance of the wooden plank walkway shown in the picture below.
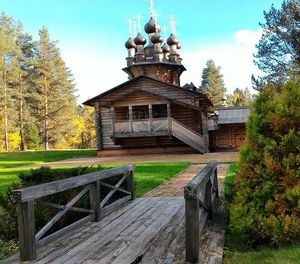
(147, 230)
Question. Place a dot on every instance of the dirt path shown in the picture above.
(220, 157)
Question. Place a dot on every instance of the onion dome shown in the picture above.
(139, 39)
(129, 44)
(172, 40)
(152, 26)
(179, 45)
(157, 38)
(166, 48)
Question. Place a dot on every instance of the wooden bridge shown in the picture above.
(123, 229)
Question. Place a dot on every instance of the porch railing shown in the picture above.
(141, 126)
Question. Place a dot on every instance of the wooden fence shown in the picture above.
(199, 196)
(99, 206)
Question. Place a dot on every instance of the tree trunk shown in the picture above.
(46, 136)
(21, 119)
(5, 114)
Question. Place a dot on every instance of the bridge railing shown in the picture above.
(199, 195)
(26, 199)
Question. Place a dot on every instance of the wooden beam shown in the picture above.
(61, 213)
(150, 118)
(95, 200)
(130, 119)
(192, 232)
(26, 226)
(169, 118)
(131, 184)
(112, 112)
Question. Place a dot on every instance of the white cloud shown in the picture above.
(235, 58)
(97, 70)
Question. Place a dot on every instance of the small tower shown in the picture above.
(157, 60)
(130, 45)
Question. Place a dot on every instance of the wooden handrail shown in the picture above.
(41, 190)
(26, 199)
(199, 195)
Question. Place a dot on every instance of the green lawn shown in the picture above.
(11, 162)
(289, 254)
(147, 175)
(284, 255)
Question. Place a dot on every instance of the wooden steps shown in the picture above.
(188, 136)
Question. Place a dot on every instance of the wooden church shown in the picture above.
(151, 112)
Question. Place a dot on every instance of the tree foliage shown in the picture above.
(212, 82)
(266, 205)
(37, 100)
(278, 53)
(240, 97)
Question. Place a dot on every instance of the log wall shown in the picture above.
(229, 137)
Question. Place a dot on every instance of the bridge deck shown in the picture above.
(147, 230)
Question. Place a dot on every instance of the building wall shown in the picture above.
(227, 137)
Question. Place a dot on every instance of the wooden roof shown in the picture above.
(114, 93)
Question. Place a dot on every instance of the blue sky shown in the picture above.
(91, 35)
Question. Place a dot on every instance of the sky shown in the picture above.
(91, 35)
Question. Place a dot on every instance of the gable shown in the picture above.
(140, 98)
(148, 85)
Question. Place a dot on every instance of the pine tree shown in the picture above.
(54, 101)
(240, 97)
(212, 83)
(9, 70)
(278, 53)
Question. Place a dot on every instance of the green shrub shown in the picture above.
(265, 207)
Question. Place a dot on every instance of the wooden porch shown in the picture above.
(153, 121)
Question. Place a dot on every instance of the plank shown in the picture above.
(116, 246)
(107, 233)
(62, 246)
(170, 243)
(142, 243)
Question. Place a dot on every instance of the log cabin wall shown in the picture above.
(146, 142)
(187, 116)
(228, 137)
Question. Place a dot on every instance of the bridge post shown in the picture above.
(131, 184)
(26, 226)
(95, 200)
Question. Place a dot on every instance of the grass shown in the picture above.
(285, 255)
(17, 159)
(289, 254)
(11, 162)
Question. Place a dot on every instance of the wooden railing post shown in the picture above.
(95, 200)
(192, 231)
(26, 226)
(131, 185)
(207, 198)
(198, 206)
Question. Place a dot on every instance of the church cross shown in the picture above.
(151, 7)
